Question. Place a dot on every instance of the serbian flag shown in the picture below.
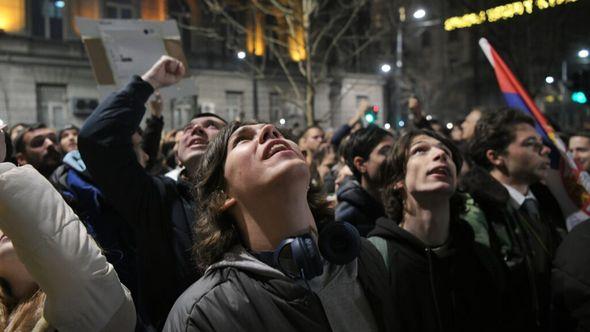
(567, 181)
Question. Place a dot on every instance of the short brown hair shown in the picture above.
(394, 170)
(216, 231)
(495, 131)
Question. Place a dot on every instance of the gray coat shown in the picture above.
(240, 293)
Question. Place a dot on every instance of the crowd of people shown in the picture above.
(245, 226)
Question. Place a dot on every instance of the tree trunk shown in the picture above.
(309, 109)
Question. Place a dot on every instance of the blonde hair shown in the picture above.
(20, 316)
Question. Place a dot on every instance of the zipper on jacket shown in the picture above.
(433, 289)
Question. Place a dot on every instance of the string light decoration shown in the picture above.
(502, 12)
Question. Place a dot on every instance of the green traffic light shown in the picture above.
(370, 118)
(579, 97)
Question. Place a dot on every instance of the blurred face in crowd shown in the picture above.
(579, 147)
(468, 125)
(68, 140)
(430, 168)
(195, 137)
(344, 174)
(41, 150)
(12, 271)
(526, 160)
(313, 138)
(456, 133)
(370, 167)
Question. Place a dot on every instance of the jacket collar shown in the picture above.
(460, 236)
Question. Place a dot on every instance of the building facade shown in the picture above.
(47, 77)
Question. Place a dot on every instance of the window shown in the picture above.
(12, 15)
(51, 105)
(183, 110)
(119, 9)
(234, 100)
(47, 18)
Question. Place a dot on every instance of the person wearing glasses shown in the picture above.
(510, 158)
(38, 146)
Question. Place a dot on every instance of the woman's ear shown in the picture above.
(229, 202)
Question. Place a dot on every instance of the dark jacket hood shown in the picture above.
(352, 193)
(461, 235)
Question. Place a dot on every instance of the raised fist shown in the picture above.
(165, 72)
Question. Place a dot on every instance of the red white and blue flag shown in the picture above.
(568, 182)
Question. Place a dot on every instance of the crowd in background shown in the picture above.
(248, 226)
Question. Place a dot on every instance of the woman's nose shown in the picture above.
(268, 132)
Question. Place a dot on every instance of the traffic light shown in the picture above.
(371, 113)
(580, 86)
(579, 97)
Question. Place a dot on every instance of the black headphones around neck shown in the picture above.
(299, 257)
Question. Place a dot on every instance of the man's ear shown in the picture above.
(359, 164)
(495, 158)
(229, 202)
(20, 159)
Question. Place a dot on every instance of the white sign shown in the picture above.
(119, 49)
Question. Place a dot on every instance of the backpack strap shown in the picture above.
(382, 247)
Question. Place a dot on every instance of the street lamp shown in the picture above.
(583, 53)
(419, 14)
(549, 79)
(385, 68)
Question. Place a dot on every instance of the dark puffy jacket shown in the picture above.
(457, 288)
(517, 242)
(571, 281)
(159, 209)
(114, 236)
(357, 207)
(241, 293)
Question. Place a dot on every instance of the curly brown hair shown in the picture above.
(394, 169)
(215, 230)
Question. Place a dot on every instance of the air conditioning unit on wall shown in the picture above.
(83, 106)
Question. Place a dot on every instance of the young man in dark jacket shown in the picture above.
(510, 158)
(159, 209)
(359, 201)
(440, 278)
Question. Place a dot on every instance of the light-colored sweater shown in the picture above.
(83, 290)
